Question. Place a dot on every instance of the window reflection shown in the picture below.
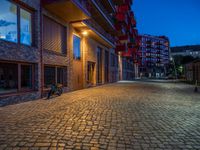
(25, 27)
(77, 47)
(8, 21)
(9, 25)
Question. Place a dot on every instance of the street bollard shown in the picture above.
(196, 88)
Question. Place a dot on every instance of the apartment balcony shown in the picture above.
(159, 43)
(158, 48)
(148, 56)
(121, 47)
(101, 15)
(121, 2)
(132, 20)
(129, 53)
(158, 52)
(124, 38)
(149, 42)
(121, 17)
(123, 8)
(158, 57)
(135, 32)
(95, 27)
(166, 44)
(68, 10)
(109, 5)
(131, 45)
(149, 46)
(120, 29)
(134, 50)
(133, 39)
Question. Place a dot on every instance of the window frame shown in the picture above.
(13, 3)
(32, 76)
(19, 6)
(75, 58)
(56, 75)
(19, 86)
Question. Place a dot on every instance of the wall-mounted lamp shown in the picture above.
(85, 33)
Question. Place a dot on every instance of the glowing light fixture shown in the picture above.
(85, 33)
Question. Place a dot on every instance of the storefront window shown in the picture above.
(25, 27)
(62, 76)
(8, 21)
(49, 76)
(10, 74)
(8, 78)
(55, 75)
(26, 76)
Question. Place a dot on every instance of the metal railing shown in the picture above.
(99, 29)
(84, 5)
(112, 4)
(104, 12)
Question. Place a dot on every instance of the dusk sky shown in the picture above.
(177, 19)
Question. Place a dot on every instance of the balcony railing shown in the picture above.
(112, 4)
(104, 12)
(83, 5)
(95, 26)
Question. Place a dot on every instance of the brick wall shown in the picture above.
(77, 70)
(27, 54)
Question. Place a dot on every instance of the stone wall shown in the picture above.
(17, 98)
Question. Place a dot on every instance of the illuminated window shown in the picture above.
(25, 27)
(77, 47)
(8, 21)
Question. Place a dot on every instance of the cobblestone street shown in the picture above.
(126, 115)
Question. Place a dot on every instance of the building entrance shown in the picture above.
(90, 73)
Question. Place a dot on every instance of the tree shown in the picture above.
(180, 61)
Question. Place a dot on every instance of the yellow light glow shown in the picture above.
(85, 33)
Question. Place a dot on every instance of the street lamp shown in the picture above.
(172, 59)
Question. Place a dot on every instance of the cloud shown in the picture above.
(4, 23)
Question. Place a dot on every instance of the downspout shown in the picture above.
(41, 53)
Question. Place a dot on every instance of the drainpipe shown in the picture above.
(41, 53)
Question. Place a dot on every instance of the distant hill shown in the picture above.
(184, 48)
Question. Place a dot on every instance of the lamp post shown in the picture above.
(172, 59)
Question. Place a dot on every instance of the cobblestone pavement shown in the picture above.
(137, 115)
